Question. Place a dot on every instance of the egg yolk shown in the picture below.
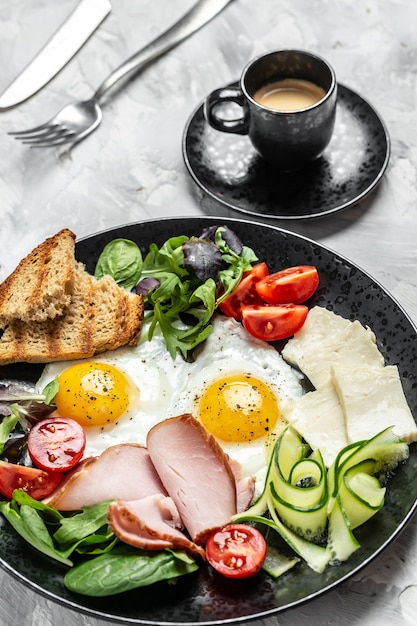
(238, 409)
(93, 394)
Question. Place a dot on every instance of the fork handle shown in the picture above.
(194, 19)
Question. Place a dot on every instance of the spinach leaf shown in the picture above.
(108, 566)
(86, 532)
(51, 515)
(28, 522)
(80, 525)
(121, 259)
(125, 568)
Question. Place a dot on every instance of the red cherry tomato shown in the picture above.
(271, 323)
(56, 443)
(35, 482)
(236, 551)
(290, 286)
(245, 292)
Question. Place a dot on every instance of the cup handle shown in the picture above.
(227, 94)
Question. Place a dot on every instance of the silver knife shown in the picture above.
(62, 46)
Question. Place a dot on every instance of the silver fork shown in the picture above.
(78, 119)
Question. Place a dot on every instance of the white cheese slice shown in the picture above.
(373, 399)
(327, 339)
(319, 418)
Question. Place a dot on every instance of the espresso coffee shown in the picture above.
(289, 94)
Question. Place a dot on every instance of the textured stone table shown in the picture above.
(132, 169)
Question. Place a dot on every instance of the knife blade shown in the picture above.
(63, 45)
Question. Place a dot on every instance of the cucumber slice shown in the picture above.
(276, 563)
(361, 493)
(386, 449)
(341, 542)
(303, 498)
(289, 449)
(310, 522)
(315, 556)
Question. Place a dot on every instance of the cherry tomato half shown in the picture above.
(35, 482)
(290, 286)
(236, 551)
(271, 323)
(245, 292)
(56, 443)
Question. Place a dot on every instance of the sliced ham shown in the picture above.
(123, 471)
(245, 487)
(152, 523)
(195, 472)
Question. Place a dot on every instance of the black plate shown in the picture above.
(204, 598)
(229, 170)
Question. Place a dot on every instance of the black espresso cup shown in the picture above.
(288, 100)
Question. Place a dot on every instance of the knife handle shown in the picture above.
(194, 19)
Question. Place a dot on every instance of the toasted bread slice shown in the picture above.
(41, 285)
(101, 316)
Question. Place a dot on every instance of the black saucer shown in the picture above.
(228, 169)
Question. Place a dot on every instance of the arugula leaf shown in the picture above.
(168, 258)
(126, 568)
(121, 259)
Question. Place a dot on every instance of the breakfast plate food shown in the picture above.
(227, 168)
(203, 596)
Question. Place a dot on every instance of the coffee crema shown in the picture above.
(289, 94)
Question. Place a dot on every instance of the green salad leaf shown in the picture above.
(32, 520)
(125, 568)
(122, 259)
(183, 281)
(7, 425)
(50, 390)
(86, 532)
(100, 565)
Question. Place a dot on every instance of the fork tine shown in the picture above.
(49, 131)
(47, 135)
(74, 122)
(54, 141)
(29, 131)
(51, 144)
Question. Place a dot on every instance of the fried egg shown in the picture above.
(121, 403)
(234, 386)
(236, 391)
